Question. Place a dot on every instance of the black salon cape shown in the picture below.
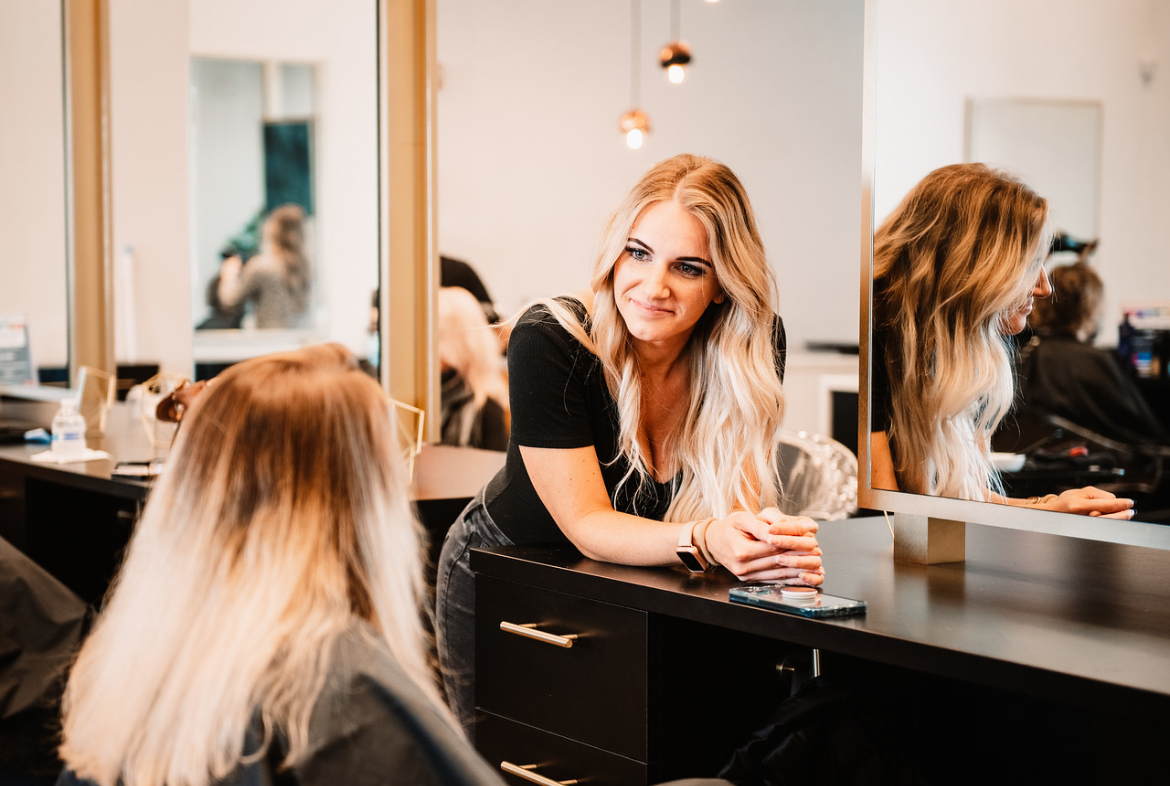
(1059, 375)
(371, 725)
(41, 626)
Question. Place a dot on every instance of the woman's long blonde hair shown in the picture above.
(726, 444)
(469, 345)
(282, 516)
(963, 249)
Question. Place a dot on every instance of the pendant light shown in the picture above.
(635, 124)
(675, 56)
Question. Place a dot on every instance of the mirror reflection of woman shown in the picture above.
(957, 268)
(646, 411)
(474, 392)
(275, 281)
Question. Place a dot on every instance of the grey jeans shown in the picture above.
(455, 606)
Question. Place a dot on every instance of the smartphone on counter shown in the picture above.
(138, 469)
(818, 606)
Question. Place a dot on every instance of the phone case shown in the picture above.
(768, 596)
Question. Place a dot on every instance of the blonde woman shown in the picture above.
(276, 280)
(646, 411)
(265, 626)
(474, 391)
(957, 268)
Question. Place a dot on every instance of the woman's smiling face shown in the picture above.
(1014, 321)
(664, 279)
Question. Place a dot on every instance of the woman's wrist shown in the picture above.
(1039, 502)
(699, 538)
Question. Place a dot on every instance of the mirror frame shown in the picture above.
(406, 80)
(407, 205)
(1134, 533)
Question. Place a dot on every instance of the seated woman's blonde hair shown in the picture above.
(283, 516)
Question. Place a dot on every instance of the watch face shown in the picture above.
(691, 559)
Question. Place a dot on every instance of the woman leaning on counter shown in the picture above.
(646, 411)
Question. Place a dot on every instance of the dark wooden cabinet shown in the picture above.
(620, 703)
(1032, 662)
(594, 690)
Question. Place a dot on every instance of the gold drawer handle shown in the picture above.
(525, 771)
(530, 631)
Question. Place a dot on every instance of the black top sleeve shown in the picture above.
(879, 382)
(548, 375)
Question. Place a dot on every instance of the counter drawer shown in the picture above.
(594, 691)
(500, 740)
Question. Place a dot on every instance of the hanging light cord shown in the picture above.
(674, 21)
(635, 39)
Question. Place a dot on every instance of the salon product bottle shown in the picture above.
(1125, 343)
(68, 432)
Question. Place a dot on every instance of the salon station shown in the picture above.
(190, 187)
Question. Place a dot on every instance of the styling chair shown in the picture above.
(818, 477)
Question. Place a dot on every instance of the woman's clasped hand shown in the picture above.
(767, 547)
(1089, 501)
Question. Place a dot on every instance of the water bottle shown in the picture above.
(68, 432)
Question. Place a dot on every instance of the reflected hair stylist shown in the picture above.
(957, 268)
(646, 411)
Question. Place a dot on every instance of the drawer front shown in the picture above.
(594, 691)
(500, 740)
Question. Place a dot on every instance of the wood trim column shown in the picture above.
(408, 239)
(91, 301)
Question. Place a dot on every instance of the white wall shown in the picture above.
(227, 157)
(931, 56)
(32, 175)
(148, 162)
(531, 161)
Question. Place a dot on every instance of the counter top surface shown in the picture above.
(1036, 613)
(441, 471)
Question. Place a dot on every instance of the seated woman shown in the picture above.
(1061, 372)
(645, 412)
(265, 627)
(275, 281)
(474, 392)
(957, 267)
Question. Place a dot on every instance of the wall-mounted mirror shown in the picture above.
(531, 159)
(33, 265)
(222, 113)
(283, 177)
(252, 195)
(957, 81)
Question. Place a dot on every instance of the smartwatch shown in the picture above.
(689, 553)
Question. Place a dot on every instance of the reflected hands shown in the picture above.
(1089, 501)
(769, 546)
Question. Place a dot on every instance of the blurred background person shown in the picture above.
(275, 281)
(1061, 373)
(222, 317)
(474, 387)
